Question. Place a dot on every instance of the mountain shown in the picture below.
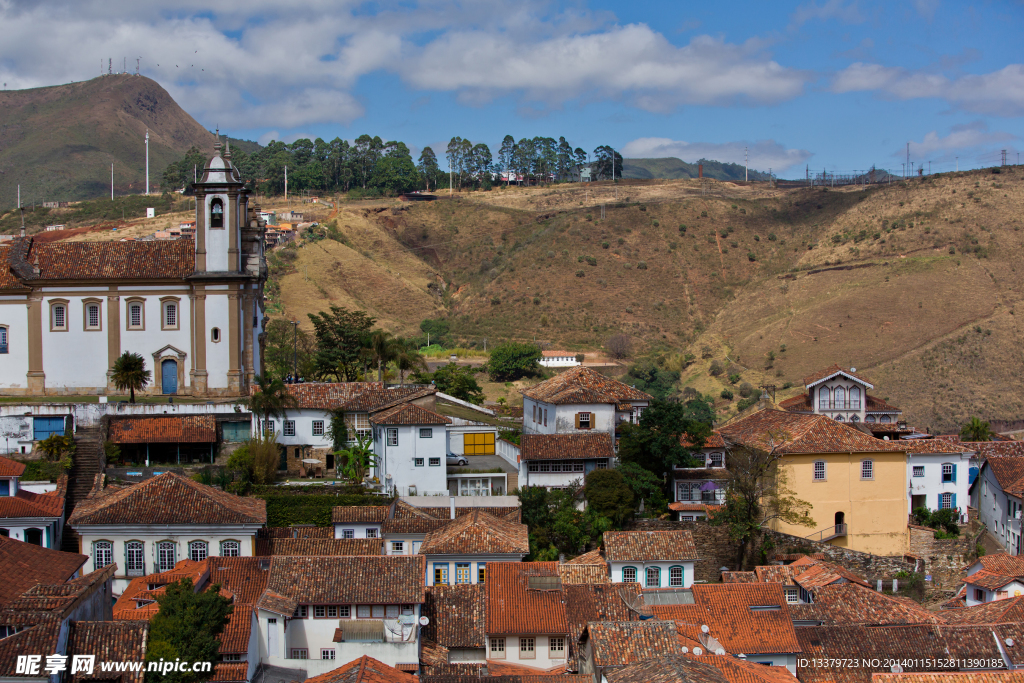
(671, 168)
(58, 142)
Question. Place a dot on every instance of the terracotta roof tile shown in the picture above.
(593, 557)
(350, 580)
(374, 399)
(23, 565)
(823, 574)
(408, 414)
(364, 670)
(513, 607)
(989, 580)
(1002, 563)
(42, 637)
(245, 577)
(584, 385)
(506, 671)
(328, 395)
(933, 446)
(597, 602)
(677, 668)
(109, 641)
(873, 404)
(796, 433)
(739, 626)
(235, 636)
(230, 672)
(297, 531)
(28, 504)
(995, 612)
(739, 577)
(830, 372)
(456, 615)
(1007, 470)
(170, 429)
(475, 534)
(266, 547)
(105, 260)
(11, 468)
(620, 643)
(567, 446)
(169, 499)
(991, 449)
(849, 604)
(776, 573)
(648, 546)
(8, 280)
(575, 574)
(951, 677)
(359, 513)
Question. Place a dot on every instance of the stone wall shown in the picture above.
(943, 559)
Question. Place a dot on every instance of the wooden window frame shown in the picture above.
(95, 554)
(164, 302)
(527, 648)
(824, 470)
(237, 548)
(870, 463)
(86, 303)
(497, 648)
(204, 545)
(54, 304)
(589, 420)
(318, 427)
(128, 303)
(556, 647)
(160, 546)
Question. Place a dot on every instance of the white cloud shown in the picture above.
(831, 9)
(763, 154)
(926, 8)
(962, 140)
(999, 93)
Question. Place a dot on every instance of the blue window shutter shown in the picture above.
(954, 475)
(939, 505)
(954, 499)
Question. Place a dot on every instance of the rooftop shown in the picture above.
(567, 446)
(477, 533)
(833, 371)
(582, 385)
(349, 580)
(514, 607)
(24, 565)
(408, 414)
(364, 670)
(648, 546)
(792, 433)
(169, 429)
(319, 546)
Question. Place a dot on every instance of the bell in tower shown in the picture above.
(221, 208)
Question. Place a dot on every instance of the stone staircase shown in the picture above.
(88, 456)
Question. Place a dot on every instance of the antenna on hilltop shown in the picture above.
(110, 66)
(137, 60)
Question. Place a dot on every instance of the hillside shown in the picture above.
(58, 142)
(671, 168)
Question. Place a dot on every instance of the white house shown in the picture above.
(526, 620)
(460, 551)
(843, 395)
(152, 525)
(36, 518)
(994, 577)
(581, 400)
(411, 518)
(561, 460)
(411, 443)
(938, 475)
(558, 359)
(998, 496)
(358, 521)
(655, 559)
(193, 308)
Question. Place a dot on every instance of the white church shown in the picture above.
(193, 308)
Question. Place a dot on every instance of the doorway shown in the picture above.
(272, 637)
(840, 518)
(169, 376)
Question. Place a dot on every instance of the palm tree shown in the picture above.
(270, 398)
(976, 430)
(408, 359)
(385, 348)
(129, 372)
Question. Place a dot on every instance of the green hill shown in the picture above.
(671, 168)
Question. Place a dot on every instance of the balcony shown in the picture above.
(838, 405)
(401, 630)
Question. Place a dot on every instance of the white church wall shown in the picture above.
(14, 364)
(218, 354)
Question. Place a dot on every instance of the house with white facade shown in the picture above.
(155, 524)
(193, 308)
(461, 551)
(998, 496)
(994, 577)
(358, 521)
(559, 359)
(411, 519)
(411, 444)
(581, 401)
(655, 559)
(938, 474)
(562, 460)
(842, 395)
(526, 621)
(36, 518)
(700, 484)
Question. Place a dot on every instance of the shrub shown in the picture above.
(621, 241)
(734, 378)
(745, 403)
(580, 273)
(495, 301)
(703, 214)
(751, 256)
(757, 238)
(536, 301)
(746, 389)
(726, 394)
(682, 228)
(656, 224)
(618, 346)
(605, 245)
(591, 260)
(513, 360)
(642, 265)
(716, 368)
(787, 385)
(771, 237)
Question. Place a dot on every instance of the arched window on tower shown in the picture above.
(855, 398)
(840, 398)
(216, 213)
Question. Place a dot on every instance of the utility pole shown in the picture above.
(929, 168)
(746, 176)
(1004, 159)
(111, 182)
(907, 167)
(958, 164)
(286, 183)
(147, 161)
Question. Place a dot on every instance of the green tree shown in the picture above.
(288, 348)
(428, 166)
(646, 376)
(271, 399)
(645, 485)
(408, 359)
(656, 442)
(513, 360)
(436, 330)
(340, 335)
(187, 626)
(976, 430)
(384, 349)
(338, 430)
(130, 373)
(180, 174)
(458, 381)
(357, 459)
(609, 495)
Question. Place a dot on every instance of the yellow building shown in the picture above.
(855, 483)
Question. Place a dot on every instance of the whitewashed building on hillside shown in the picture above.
(36, 518)
(411, 443)
(654, 559)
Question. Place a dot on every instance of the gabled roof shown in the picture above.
(1002, 563)
(408, 414)
(515, 608)
(748, 617)
(168, 499)
(134, 260)
(586, 603)
(374, 399)
(234, 639)
(361, 514)
(793, 433)
(478, 533)
(328, 395)
(1008, 471)
(364, 670)
(567, 446)
(621, 643)
(995, 612)
(582, 385)
(266, 547)
(706, 668)
(165, 429)
(350, 580)
(649, 546)
(11, 468)
(109, 641)
(593, 557)
(28, 504)
(832, 371)
(456, 615)
(845, 604)
(990, 449)
(272, 601)
(579, 574)
(23, 565)
(990, 580)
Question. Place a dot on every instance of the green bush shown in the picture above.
(745, 403)
(716, 368)
(642, 265)
(591, 260)
(726, 394)
(580, 273)
(734, 378)
(746, 390)
(286, 510)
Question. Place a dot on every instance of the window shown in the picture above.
(170, 317)
(481, 572)
(854, 398)
(136, 317)
(979, 595)
(217, 220)
(602, 464)
(102, 554)
(435, 462)
(918, 470)
(318, 427)
(197, 551)
(716, 460)
(687, 518)
(302, 612)
(823, 398)
(947, 473)
(885, 419)
(3, 339)
(327, 653)
(215, 334)
(556, 647)
(300, 653)
(870, 418)
(229, 549)
(867, 469)
(332, 611)
(819, 470)
(534, 412)
(135, 558)
(440, 573)
(462, 572)
(545, 417)
(319, 611)
(165, 555)
(397, 547)
(945, 501)
(363, 612)
(418, 462)
(629, 575)
(59, 317)
(426, 433)
(840, 398)
(392, 436)
(584, 420)
(391, 611)
(92, 315)
(653, 577)
(527, 648)
(675, 577)
(371, 533)
(345, 611)
(235, 657)
(358, 425)
(498, 648)
(791, 595)
(839, 418)
(289, 427)
(269, 427)
(377, 611)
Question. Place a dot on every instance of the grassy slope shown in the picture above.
(671, 168)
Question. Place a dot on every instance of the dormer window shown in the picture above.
(216, 213)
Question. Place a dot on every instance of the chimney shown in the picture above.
(765, 401)
(22, 221)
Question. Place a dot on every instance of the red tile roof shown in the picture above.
(738, 627)
(951, 677)
(296, 531)
(230, 672)
(847, 604)
(7, 278)
(456, 615)
(649, 546)
(350, 580)
(11, 468)
(794, 433)
(1002, 563)
(830, 372)
(168, 499)
(989, 449)
(364, 670)
(990, 580)
(586, 603)
(105, 260)
(621, 643)
(266, 547)
(359, 513)
(515, 608)
(478, 533)
(328, 395)
(408, 414)
(27, 504)
(593, 557)
(576, 574)
(583, 385)
(170, 429)
(23, 565)
(235, 636)
(1007, 470)
(567, 446)
(995, 612)
(109, 641)
(372, 400)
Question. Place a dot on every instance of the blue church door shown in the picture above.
(169, 376)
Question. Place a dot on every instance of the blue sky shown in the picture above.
(835, 84)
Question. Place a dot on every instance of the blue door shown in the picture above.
(169, 376)
(45, 427)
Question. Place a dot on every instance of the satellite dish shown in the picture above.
(697, 651)
(1009, 642)
(704, 628)
(685, 649)
(896, 669)
(720, 651)
(424, 621)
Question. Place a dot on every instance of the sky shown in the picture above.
(832, 84)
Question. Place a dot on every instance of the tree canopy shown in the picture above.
(340, 336)
(513, 360)
(458, 381)
(655, 443)
(130, 373)
(187, 627)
